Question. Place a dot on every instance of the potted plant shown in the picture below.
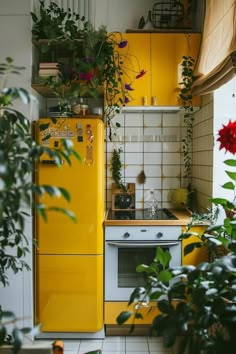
(97, 58)
(18, 153)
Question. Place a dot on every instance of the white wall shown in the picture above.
(224, 110)
(15, 42)
(121, 15)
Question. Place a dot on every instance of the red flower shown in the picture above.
(227, 137)
(86, 76)
(142, 72)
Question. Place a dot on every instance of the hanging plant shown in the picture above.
(116, 166)
(97, 58)
(186, 97)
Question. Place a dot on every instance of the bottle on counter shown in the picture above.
(151, 203)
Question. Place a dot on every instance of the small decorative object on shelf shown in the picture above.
(167, 14)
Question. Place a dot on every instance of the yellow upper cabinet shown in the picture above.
(160, 54)
(136, 56)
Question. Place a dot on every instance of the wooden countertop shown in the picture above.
(182, 215)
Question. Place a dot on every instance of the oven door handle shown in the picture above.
(141, 244)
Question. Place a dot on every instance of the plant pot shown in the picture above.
(123, 201)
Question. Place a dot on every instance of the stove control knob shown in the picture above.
(126, 234)
(159, 234)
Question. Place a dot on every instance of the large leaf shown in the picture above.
(165, 307)
(191, 246)
(123, 317)
(228, 185)
(230, 162)
(231, 174)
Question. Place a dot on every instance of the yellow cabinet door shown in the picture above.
(167, 51)
(138, 58)
(160, 55)
(69, 293)
(198, 255)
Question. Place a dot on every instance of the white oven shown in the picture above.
(128, 246)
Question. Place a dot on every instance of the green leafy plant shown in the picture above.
(186, 97)
(197, 309)
(56, 23)
(18, 194)
(116, 166)
(97, 57)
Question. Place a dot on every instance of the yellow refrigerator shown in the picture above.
(69, 255)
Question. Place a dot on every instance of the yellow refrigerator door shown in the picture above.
(71, 293)
(83, 180)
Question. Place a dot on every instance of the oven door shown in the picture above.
(121, 260)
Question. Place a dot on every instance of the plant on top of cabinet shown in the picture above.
(95, 57)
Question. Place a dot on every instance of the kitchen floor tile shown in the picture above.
(135, 352)
(87, 345)
(115, 339)
(113, 346)
(71, 345)
(118, 352)
(137, 346)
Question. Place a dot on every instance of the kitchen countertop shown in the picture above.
(183, 218)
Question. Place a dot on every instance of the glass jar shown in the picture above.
(151, 203)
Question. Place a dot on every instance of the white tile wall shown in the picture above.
(150, 142)
(202, 169)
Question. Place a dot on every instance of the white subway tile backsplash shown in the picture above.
(171, 131)
(170, 183)
(133, 158)
(153, 170)
(134, 147)
(153, 132)
(132, 170)
(134, 120)
(152, 147)
(171, 158)
(171, 120)
(153, 182)
(139, 196)
(171, 147)
(152, 141)
(152, 158)
(152, 120)
(133, 131)
(171, 171)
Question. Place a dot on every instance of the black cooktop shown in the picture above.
(140, 214)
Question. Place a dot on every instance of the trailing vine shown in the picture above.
(185, 95)
(116, 169)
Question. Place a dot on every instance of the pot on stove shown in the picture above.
(123, 201)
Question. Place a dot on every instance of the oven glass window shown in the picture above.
(128, 260)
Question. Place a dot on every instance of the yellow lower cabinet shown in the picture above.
(113, 309)
(198, 255)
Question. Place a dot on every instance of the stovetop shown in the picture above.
(140, 214)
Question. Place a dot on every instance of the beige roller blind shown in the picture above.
(216, 62)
